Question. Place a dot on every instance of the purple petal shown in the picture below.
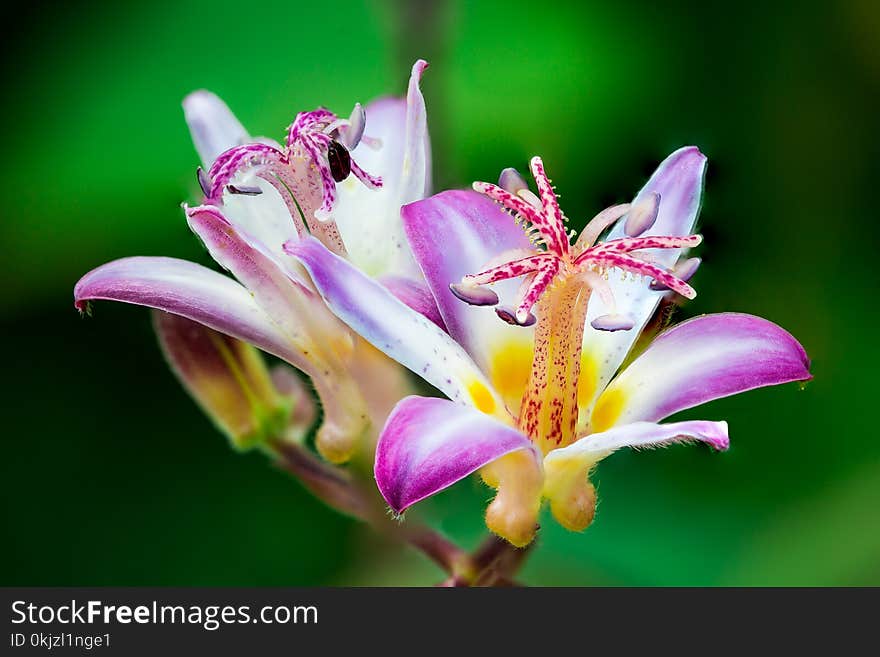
(415, 179)
(416, 295)
(188, 290)
(213, 126)
(702, 359)
(395, 329)
(567, 487)
(647, 434)
(283, 293)
(456, 233)
(429, 444)
(679, 182)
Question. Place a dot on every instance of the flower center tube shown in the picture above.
(549, 409)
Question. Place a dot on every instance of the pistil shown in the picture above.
(549, 409)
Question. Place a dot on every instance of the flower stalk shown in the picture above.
(493, 563)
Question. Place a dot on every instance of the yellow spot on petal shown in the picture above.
(608, 408)
(509, 370)
(482, 397)
(588, 379)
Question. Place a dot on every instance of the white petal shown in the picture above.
(213, 126)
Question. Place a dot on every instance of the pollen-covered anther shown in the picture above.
(512, 181)
(245, 190)
(683, 270)
(642, 215)
(515, 317)
(204, 181)
(318, 136)
(554, 259)
(475, 295)
(613, 322)
(351, 134)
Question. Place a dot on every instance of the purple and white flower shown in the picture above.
(537, 400)
(259, 195)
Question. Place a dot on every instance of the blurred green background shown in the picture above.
(112, 476)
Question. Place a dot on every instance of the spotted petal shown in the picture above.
(428, 444)
(679, 182)
(699, 360)
(395, 329)
(455, 233)
(369, 220)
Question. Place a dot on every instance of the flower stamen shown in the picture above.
(320, 136)
(555, 259)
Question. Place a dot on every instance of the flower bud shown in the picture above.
(228, 379)
(296, 391)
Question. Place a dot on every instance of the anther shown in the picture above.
(508, 315)
(683, 271)
(204, 181)
(351, 134)
(642, 215)
(476, 295)
(245, 190)
(613, 322)
(512, 181)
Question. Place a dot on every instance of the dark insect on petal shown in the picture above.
(339, 160)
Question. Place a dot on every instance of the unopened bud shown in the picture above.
(228, 378)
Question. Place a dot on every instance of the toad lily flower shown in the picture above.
(257, 196)
(532, 402)
(340, 180)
